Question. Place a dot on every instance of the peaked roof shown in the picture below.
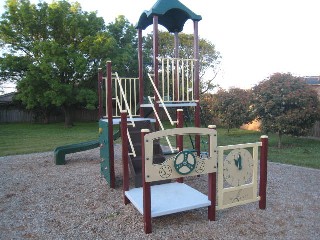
(172, 14)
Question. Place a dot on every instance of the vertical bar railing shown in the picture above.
(125, 90)
(123, 97)
(177, 79)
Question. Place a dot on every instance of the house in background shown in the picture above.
(314, 81)
(10, 111)
(6, 99)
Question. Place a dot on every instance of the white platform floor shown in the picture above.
(169, 198)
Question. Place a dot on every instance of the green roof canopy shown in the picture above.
(172, 14)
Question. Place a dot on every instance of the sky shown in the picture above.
(255, 38)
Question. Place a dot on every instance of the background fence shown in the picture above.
(15, 115)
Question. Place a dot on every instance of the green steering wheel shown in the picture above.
(184, 162)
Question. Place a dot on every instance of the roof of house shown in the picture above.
(313, 80)
(7, 98)
(172, 14)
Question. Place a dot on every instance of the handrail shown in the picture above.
(125, 100)
(161, 100)
(131, 144)
(160, 123)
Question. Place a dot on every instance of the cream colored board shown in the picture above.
(166, 170)
(241, 191)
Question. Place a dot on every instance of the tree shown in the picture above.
(232, 107)
(53, 52)
(125, 58)
(209, 56)
(286, 105)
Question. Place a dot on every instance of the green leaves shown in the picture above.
(232, 107)
(286, 104)
(53, 52)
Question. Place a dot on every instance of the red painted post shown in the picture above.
(100, 77)
(156, 65)
(196, 84)
(176, 55)
(179, 138)
(146, 188)
(140, 59)
(110, 123)
(125, 156)
(212, 185)
(212, 196)
(263, 172)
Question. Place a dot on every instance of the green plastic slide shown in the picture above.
(60, 152)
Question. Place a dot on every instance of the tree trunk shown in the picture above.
(68, 118)
(46, 116)
(279, 139)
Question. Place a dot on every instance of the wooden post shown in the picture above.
(146, 188)
(125, 156)
(140, 60)
(110, 123)
(155, 65)
(212, 185)
(179, 138)
(263, 172)
(176, 55)
(196, 84)
(100, 113)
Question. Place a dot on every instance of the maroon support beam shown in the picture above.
(100, 77)
(196, 84)
(263, 172)
(212, 185)
(176, 55)
(140, 60)
(212, 196)
(146, 188)
(179, 138)
(110, 123)
(156, 65)
(125, 156)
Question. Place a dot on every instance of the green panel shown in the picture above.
(104, 150)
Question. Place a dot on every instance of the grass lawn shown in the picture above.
(20, 138)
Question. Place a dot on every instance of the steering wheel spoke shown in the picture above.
(184, 162)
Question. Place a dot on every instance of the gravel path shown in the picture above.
(39, 200)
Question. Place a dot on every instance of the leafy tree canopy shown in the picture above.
(232, 107)
(53, 51)
(286, 105)
(125, 56)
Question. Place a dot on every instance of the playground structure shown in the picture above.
(175, 83)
